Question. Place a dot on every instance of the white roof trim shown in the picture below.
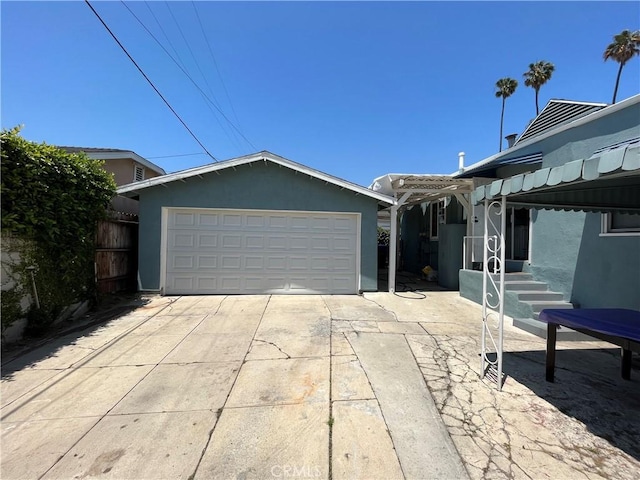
(126, 154)
(567, 126)
(255, 157)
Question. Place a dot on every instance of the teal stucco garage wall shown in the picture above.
(258, 185)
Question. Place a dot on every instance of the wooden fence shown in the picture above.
(117, 254)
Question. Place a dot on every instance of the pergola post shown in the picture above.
(393, 241)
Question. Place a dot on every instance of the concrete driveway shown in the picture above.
(380, 386)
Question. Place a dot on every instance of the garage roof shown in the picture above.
(607, 181)
(133, 189)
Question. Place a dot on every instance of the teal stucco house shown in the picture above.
(253, 225)
(572, 186)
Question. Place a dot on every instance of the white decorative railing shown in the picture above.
(468, 258)
(493, 300)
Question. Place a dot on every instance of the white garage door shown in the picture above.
(256, 251)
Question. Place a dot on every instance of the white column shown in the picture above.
(393, 247)
(393, 241)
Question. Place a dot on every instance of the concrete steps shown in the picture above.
(537, 296)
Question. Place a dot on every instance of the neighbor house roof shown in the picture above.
(556, 113)
(133, 189)
(115, 154)
(514, 152)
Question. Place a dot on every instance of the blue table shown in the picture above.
(614, 325)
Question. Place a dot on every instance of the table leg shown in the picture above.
(626, 364)
(551, 351)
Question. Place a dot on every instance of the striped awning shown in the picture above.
(607, 181)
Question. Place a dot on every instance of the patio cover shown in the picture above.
(411, 189)
(607, 181)
(417, 188)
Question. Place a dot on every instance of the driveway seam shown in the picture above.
(331, 419)
(375, 397)
(220, 410)
(426, 385)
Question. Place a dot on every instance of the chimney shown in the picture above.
(511, 139)
(461, 162)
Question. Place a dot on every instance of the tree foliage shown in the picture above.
(538, 74)
(506, 87)
(625, 45)
(51, 202)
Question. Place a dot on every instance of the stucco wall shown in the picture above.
(567, 251)
(123, 170)
(259, 186)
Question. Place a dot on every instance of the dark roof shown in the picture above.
(115, 153)
(556, 113)
(91, 149)
(489, 169)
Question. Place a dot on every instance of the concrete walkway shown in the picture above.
(343, 387)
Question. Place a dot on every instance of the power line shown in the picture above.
(163, 32)
(215, 63)
(148, 80)
(182, 68)
(189, 77)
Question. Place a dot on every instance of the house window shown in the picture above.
(436, 217)
(517, 234)
(616, 223)
(138, 173)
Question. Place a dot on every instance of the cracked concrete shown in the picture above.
(375, 386)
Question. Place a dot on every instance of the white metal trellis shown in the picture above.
(493, 291)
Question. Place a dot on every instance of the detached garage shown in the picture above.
(256, 224)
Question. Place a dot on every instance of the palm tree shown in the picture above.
(539, 73)
(625, 45)
(506, 86)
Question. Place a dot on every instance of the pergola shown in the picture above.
(413, 189)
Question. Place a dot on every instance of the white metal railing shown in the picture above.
(468, 254)
(493, 291)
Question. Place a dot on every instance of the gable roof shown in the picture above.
(133, 189)
(556, 113)
(498, 158)
(115, 154)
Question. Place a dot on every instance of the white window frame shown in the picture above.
(607, 231)
(434, 209)
(137, 168)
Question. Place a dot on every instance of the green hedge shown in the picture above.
(51, 201)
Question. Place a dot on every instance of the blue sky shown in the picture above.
(353, 89)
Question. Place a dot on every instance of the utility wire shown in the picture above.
(186, 42)
(215, 63)
(181, 66)
(149, 81)
(188, 76)
(164, 33)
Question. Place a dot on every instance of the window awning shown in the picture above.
(607, 181)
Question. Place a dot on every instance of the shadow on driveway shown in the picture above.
(589, 388)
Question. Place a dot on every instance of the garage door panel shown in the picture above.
(207, 240)
(251, 251)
